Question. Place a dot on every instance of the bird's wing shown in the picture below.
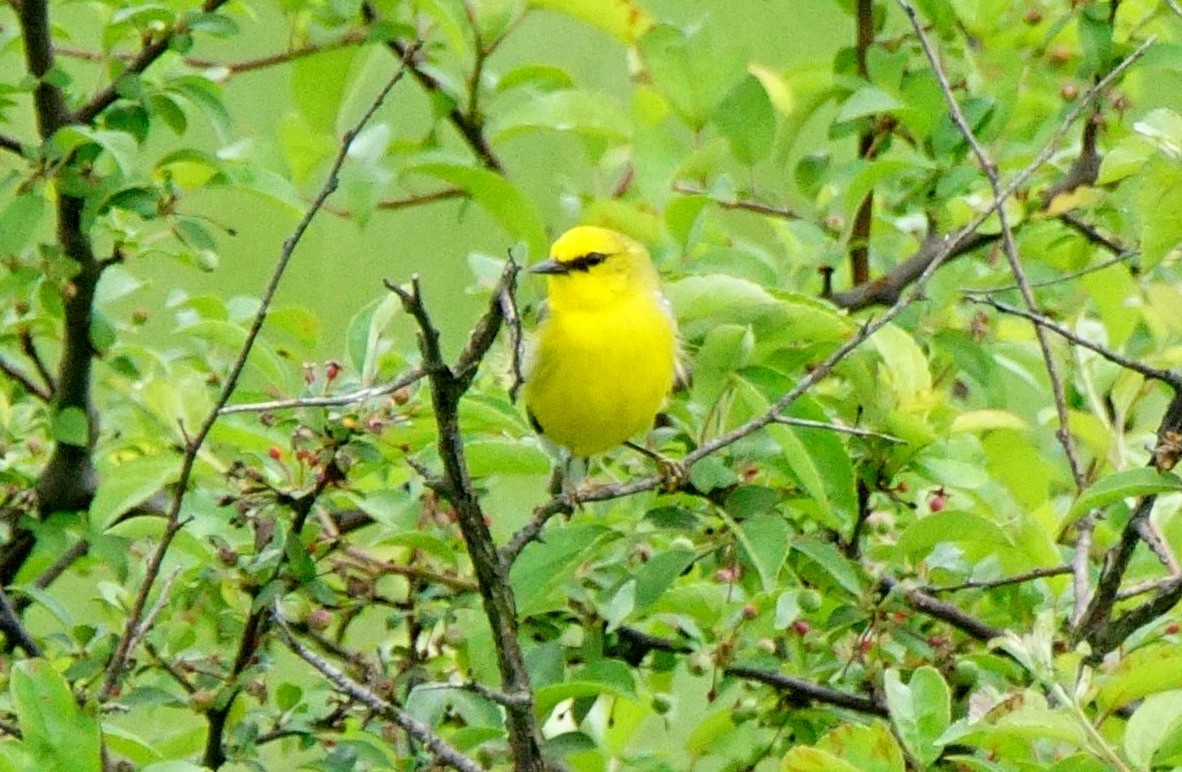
(682, 371)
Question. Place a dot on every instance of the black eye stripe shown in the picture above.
(586, 262)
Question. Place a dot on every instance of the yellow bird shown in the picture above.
(605, 353)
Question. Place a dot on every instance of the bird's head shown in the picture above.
(592, 268)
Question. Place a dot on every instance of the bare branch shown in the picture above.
(444, 751)
(1007, 235)
(13, 145)
(938, 609)
(809, 692)
(855, 431)
(1168, 377)
(26, 382)
(988, 584)
(886, 290)
(116, 664)
(740, 204)
(14, 631)
(339, 400)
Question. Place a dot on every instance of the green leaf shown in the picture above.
(868, 100)
(869, 748)
(904, 363)
(1148, 670)
(920, 711)
(57, 733)
(765, 539)
(70, 426)
(1131, 483)
(499, 197)
(581, 112)
(961, 528)
(625, 20)
(492, 457)
(831, 561)
(19, 222)
(127, 485)
(747, 119)
(540, 571)
(119, 145)
(1149, 726)
(1158, 201)
(805, 759)
(658, 573)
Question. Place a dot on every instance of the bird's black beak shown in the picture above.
(550, 266)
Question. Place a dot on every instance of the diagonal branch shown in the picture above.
(448, 386)
(147, 56)
(809, 692)
(1010, 248)
(444, 752)
(1167, 377)
(115, 666)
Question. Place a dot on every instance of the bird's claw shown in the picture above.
(674, 474)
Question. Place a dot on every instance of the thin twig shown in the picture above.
(12, 145)
(1010, 247)
(30, 350)
(987, 584)
(26, 382)
(516, 338)
(444, 751)
(1168, 377)
(740, 204)
(338, 400)
(118, 659)
(857, 432)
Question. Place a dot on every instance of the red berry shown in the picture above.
(1172, 628)
(936, 503)
(332, 369)
(275, 453)
(801, 627)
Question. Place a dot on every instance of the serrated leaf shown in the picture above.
(1149, 670)
(499, 197)
(127, 485)
(57, 733)
(831, 561)
(765, 539)
(920, 711)
(581, 112)
(1131, 483)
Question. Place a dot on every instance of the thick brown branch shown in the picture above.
(886, 290)
(942, 610)
(1095, 624)
(448, 386)
(808, 692)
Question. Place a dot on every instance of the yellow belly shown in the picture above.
(600, 377)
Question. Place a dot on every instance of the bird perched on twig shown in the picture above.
(605, 354)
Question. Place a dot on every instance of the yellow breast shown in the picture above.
(600, 376)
